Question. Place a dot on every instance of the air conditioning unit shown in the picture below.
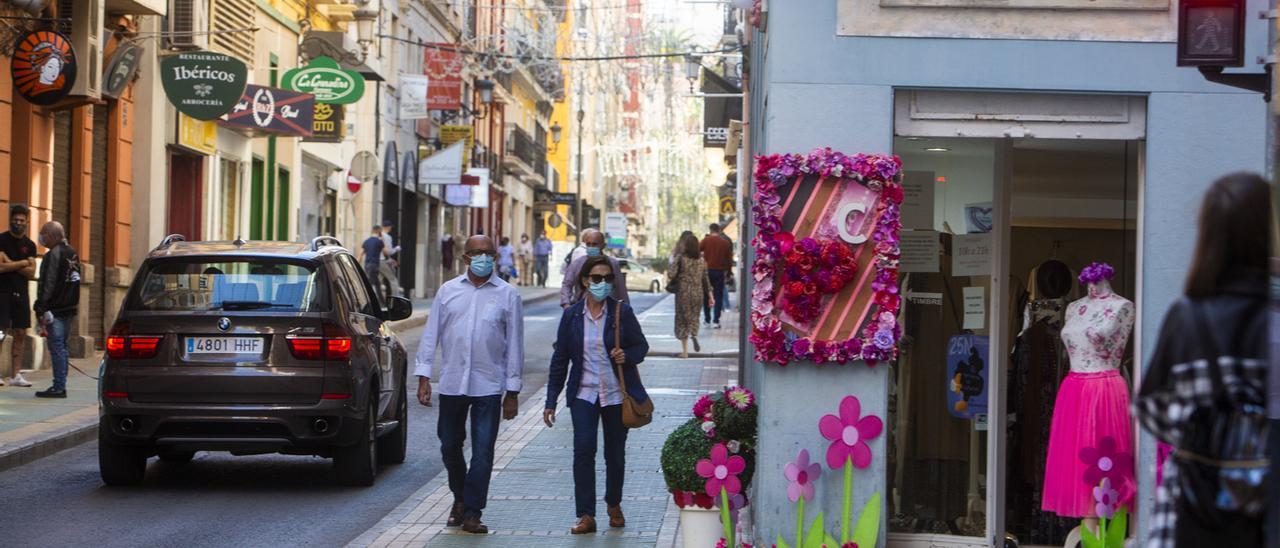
(188, 24)
(87, 39)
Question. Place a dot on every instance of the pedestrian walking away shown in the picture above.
(506, 260)
(477, 325)
(598, 337)
(389, 267)
(17, 269)
(688, 274)
(717, 250)
(372, 251)
(524, 260)
(1205, 391)
(57, 300)
(593, 244)
(542, 258)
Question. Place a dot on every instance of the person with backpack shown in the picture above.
(57, 300)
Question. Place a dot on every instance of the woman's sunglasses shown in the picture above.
(597, 278)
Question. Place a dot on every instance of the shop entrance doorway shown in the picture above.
(995, 233)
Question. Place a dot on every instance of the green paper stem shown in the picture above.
(724, 517)
(848, 500)
(1102, 530)
(800, 523)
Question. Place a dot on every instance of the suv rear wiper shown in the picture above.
(243, 305)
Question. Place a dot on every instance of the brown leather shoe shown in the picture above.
(616, 519)
(474, 526)
(586, 525)
(455, 515)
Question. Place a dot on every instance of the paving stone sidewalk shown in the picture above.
(531, 494)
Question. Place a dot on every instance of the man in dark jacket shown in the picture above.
(57, 298)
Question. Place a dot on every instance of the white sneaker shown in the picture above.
(20, 381)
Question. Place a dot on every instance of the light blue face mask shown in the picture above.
(482, 265)
(592, 251)
(601, 290)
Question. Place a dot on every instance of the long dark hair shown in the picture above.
(689, 245)
(1234, 234)
(591, 264)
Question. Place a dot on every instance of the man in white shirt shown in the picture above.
(477, 322)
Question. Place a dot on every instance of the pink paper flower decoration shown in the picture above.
(721, 470)
(849, 434)
(801, 473)
(1106, 497)
(1106, 461)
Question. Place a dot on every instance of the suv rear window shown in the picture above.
(250, 284)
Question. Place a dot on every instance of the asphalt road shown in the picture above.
(221, 500)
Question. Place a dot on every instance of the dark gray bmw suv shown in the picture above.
(253, 347)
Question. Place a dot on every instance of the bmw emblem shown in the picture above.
(224, 323)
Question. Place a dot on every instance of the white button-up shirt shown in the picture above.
(480, 334)
(598, 377)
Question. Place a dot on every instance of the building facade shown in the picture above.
(1030, 134)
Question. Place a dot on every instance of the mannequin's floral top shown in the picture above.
(1097, 330)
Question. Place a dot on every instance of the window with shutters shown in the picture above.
(232, 15)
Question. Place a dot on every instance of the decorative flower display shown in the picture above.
(849, 433)
(721, 471)
(702, 409)
(740, 398)
(801, 474)
(805, 271)
(1107, 499)
(1095, 273)
(1106, 461)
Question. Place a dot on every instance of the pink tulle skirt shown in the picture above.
(1091, 439)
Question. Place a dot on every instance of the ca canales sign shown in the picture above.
(328, 81)
(202, 84)
(273, 110)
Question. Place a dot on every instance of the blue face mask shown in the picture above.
(482, 265)
(592, 251)
(601, 290)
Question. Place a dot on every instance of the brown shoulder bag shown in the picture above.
(634, 415)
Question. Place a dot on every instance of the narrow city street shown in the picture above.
(222, 500)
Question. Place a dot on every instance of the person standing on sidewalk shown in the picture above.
(388, 267)
(371, 253)
(688, 271)
(589, 355)
(57, 298)
(570, 290)
(542, 258)
(506, 260)
(477, 323)
(717, 250)
(1208, 376)
(17, 268)
(524, 254)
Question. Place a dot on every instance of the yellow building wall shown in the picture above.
(563, 114)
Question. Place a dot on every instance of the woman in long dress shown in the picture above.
(689, 272)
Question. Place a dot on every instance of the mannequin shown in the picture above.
(1091, 437)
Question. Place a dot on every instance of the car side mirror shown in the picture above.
(399, 308)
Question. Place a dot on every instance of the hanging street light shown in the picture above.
(692, 69)
(365, 19)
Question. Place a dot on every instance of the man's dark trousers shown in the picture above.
(469, 486)
(587, 418)
(717, 289)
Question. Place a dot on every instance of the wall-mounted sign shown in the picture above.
(273, 110)
(444, 64)
(327, 123)
(197, 135)
(413, 97)
(202, 84)
(476, 196)
(452, 134)
(615, 230)
(43, 67)
(120, 71)
(353, 184)
(442, 168)
(328, 81)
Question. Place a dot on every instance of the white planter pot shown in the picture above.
(700, 528)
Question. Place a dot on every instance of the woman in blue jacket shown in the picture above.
(586, 354)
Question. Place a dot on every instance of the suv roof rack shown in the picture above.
(170, 239)
(321, 241)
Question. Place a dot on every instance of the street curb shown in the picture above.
(49, 443)
(703, 355)
(421, 320)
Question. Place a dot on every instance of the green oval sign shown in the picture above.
(328, 81)
(202, 84)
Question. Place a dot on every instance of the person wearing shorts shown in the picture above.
(17, 269)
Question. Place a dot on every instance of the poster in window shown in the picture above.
(967, 376)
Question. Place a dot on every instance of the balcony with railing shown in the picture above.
(525, 157)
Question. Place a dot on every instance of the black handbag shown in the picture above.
(1222, 462)
(672, 287)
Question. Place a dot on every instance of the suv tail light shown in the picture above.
(122, 345)
(334, 345)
